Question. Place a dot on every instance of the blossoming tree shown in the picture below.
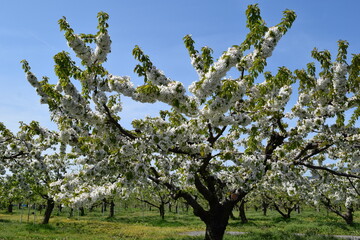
(222, 136)
(33, 161)
(336, 193)
(10, 192)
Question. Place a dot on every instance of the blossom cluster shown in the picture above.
(269, 42)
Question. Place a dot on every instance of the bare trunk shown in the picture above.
(104, 205)
(82, 211)
(286, 213)
(50, 204)
(162, 210)
(10, 208)
(71, 214)
(265, 206)
(349, 216)
(170, 207)
(216, 222)
(112, 209)
(242, 214)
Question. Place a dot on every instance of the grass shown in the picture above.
(137, 224)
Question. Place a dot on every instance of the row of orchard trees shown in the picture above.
(221, 140)
(280, 194)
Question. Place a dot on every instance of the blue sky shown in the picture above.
(29, 30)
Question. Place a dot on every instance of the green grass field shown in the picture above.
(138, 224)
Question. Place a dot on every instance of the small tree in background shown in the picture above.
(32, 161)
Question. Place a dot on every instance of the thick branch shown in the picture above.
(281, 126)
(310, 146)
(208, 195)
(328, 204)
(328, 170)
(198, 209)
(352, 184)
(117, 125)
(212, 139)
(178, 150)
(275, 141)
(21, 153)
(145, 201)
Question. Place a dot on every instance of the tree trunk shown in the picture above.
(104, 205)
(216, 223)
(112, 209)
(170, 205)
(286, 214)
(10, 208)
(265, 206)
(242, 214)
(82, 211)
(71, 214)
(348, 216)
(162, 210)
(91, 209)
(49, 207)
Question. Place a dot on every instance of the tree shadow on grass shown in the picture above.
(344, 226)
(39, 227)
(238, 223)
(169, 221)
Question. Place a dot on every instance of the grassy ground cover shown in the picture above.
(138, 224)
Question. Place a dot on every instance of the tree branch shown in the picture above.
(352, 184)
(198, 209)
(208, 195)
(145, 201)
(327, 169)
(212, 139)
(117, 125)
(21, 153)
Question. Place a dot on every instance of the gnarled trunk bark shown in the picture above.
(50, 204)
(216, 221)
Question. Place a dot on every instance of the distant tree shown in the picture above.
(155, 196)
(33, 160)
(11, 191)
(336, 194)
